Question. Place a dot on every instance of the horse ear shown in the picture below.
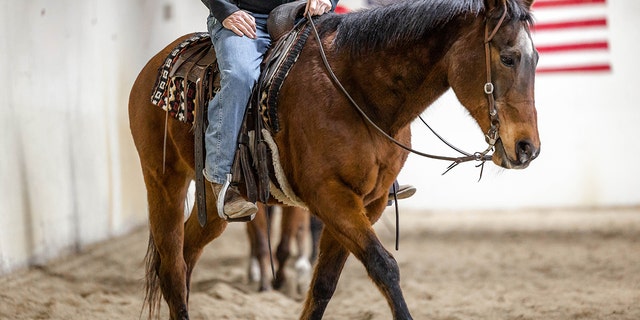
(528, 3)
(491, 4)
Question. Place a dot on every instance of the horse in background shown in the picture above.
(295, 228)
(394, 61)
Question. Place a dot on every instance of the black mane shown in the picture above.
(406, 22)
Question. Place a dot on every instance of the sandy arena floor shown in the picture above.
(458, 265)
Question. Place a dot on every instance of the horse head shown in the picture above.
(498, 88)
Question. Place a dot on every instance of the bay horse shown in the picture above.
(394, 61)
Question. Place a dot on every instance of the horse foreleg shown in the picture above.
(325, 276)
(383, 270)
(354, 231)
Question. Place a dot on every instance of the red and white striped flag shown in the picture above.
(571, 36)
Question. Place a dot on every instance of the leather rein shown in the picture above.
(492, 134)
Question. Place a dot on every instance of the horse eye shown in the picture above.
(507, 61)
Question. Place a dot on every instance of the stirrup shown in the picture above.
(405, 191)
(402, 192)
(220, 204)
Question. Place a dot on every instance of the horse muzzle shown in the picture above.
(525, 152)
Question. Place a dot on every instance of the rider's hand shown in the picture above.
(241, 23)
(317, 7)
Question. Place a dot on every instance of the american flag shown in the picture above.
(571, 36)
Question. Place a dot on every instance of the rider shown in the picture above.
(238, 30)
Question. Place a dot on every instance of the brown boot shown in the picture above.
(235, 206)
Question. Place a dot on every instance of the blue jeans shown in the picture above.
(239, 61)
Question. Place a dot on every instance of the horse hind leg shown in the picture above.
(197, 237)
(174, 248)
(165, 266)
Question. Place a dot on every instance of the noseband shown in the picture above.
(492, 134)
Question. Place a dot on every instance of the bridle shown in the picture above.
(492, 134)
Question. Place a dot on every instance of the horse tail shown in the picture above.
(153, 294)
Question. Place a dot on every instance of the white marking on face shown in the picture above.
(525, 43)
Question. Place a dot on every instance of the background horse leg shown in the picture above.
(303, 261)
(294, 225)
(260, 254)
(166, 269)
(288, 225)
(315, 228)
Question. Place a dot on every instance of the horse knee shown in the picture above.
(381, 265)
(383, 270)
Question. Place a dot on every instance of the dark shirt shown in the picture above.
(221, 9)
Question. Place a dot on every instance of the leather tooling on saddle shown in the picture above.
(275, 68)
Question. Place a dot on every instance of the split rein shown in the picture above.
(492, 134)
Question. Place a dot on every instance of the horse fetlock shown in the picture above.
(254, 270)
(303, 272)
(383, 269)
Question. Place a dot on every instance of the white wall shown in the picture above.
(69, 175)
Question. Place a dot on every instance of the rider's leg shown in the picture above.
(239, 63)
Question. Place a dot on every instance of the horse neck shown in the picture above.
(396, 85)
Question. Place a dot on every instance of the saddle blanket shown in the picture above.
(281, 190)
(170, 93)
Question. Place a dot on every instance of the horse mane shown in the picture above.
(407, 22)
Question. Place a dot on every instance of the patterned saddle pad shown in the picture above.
(172, 92)
(180, 97)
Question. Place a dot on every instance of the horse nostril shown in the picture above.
(525, 151)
